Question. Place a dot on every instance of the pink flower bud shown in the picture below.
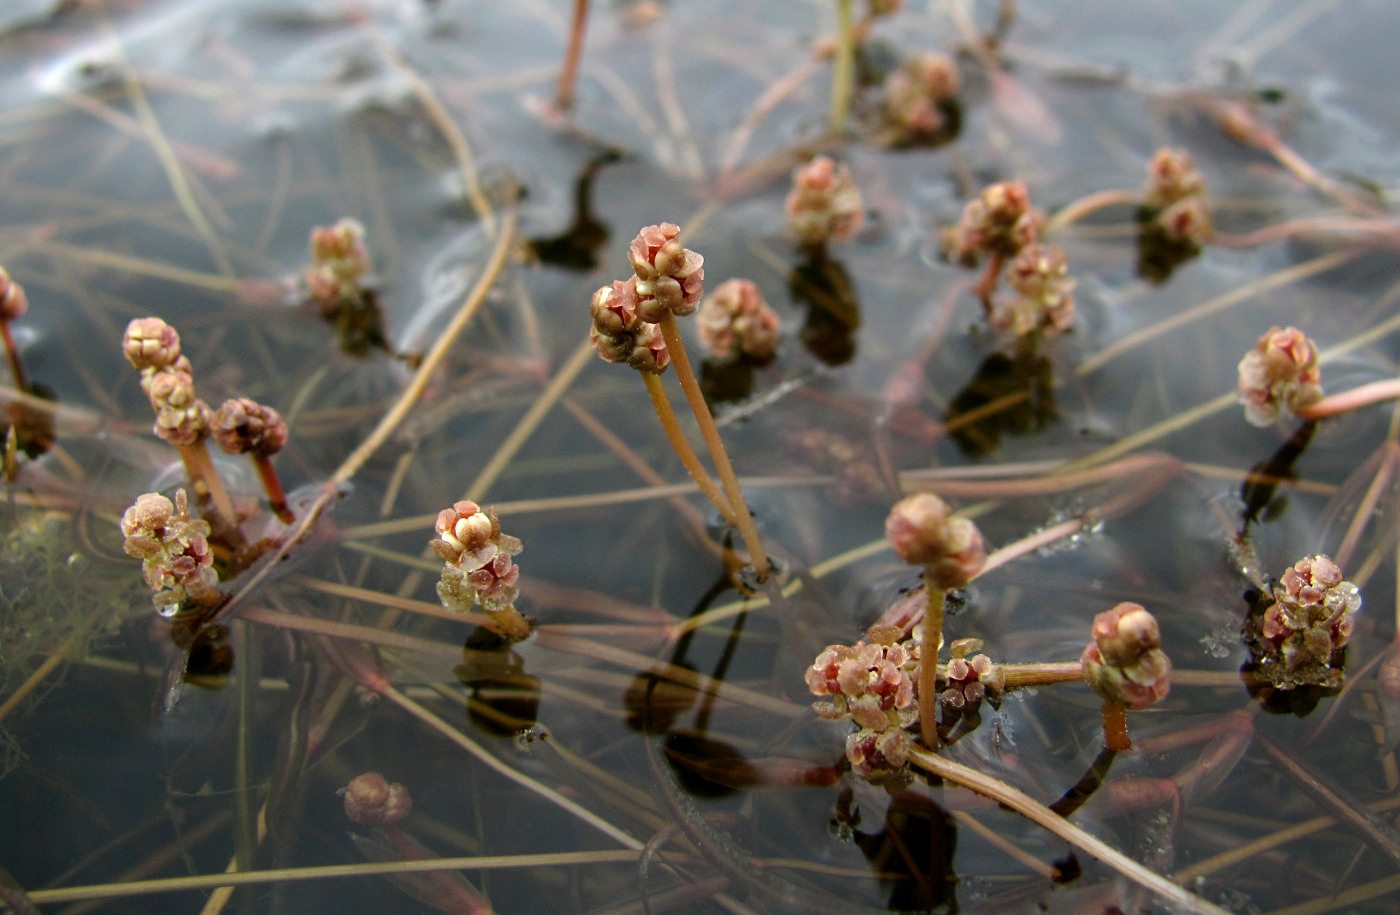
(181, 417)
(669, 277)
(1171, 178)
(150, 343)
(1186, 221)
(620, 335)
(177, 562)
(914, 94)
(13, 302)
(1279, 376)
(999, 222)
(245, 425)
(1124, 663)
(371, 800)
(824, 203)
(1044, 302)
(735, 320)
(1310, 620)
(923, 531)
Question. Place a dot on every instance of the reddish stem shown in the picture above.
(203, 474)
(988, 283)
(1115, 727)
(16, 367)
(1363, 396)
(564, 96)
(455, 897)
(272, 484)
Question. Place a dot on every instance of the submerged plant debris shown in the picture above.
(1028, 246)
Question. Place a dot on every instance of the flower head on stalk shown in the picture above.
(1309, 621)
(1044, 302)
(151, 344)
(477, 566)
(970, 680)
(339, 261)
(923, 531)
(669, 276)
(1125, 663)
(871, 683)
(174, 551)
(999, 222)
(1171, 178)
(824, 203)
(736, 321)
(620, 335)
(1279, 376)
(915, 94)
(372, 800)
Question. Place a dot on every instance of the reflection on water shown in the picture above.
(171, 158)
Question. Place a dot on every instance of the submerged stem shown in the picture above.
(844, 73)
(928, 662)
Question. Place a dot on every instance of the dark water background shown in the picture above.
(284, 115)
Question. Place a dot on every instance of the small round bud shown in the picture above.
(1171, 177)
(999, 222)
(914, 94)
(150, 343)
(735, 320)
(669, 277)
(923, 530)
(1044, 302)
(241, 425)
(824, 203)
(1125, 663)
(1279, 376)
(371, 800)
(13, 302)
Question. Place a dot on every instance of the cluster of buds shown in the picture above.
(1279, 376)
(1309, 622)
(478, 568)
(917, 95)
(1044, 302)
(243, 426)
(174, 551)
(924, 531)
(371, 800)
(153, 347)
(1125, 663)
(824, 203)
(620, 335)
(997, 224)
(735, 321)
(970, 680)
(339, 261)
(872, 683)
(670, 278)
(1174, 198)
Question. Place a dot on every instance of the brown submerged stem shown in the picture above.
(200, 466)
(691, 385)
(1115, 727)
(667, 414)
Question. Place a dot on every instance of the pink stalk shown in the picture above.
(12, 353)
(276, 496)
(564, 95)
(1367, 394)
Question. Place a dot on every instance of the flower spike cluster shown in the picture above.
(1280, 376)
(870, 682)
(669, 276)
(1044, 302)
(824, 203)
(915, 94)
(174, 551)
(243, 426)
(478, 568)
(1309, 622)
(620, 335)
(736, 321)
(372, 800)
(923, 531)
(997, 224)
(339, 261)
(1174, 196)
(1125, 663)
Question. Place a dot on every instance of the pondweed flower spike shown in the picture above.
(923, 531)
(735, 321)
(339, 260)
(1280, 377)
(669, 283)
(1126, 666)
(182, 419)
(174, 551)
(477, 567)
(246, 426)
(824, 203)
(620, 335)
(871, 683)
(1309, 622)
(996, 226)
(1044, 303)
(915, 95)
(13, 304)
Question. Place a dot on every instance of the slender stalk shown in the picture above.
(200, 466)
(1084, 206)
(1115, 727)
(691, 385)
(568, 76)
(1038, 813)
(12, 353)
(681, 445)
(929, 644)
(1367, 394)
(844, 74)
(272, 485)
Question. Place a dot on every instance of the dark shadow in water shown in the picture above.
(577, 247)
(726, 381)
(822, 285)
(1159, 254)
(1084, 789)
(1008, 394)
(358, 323)
(915, 848)
(504, 699)
(33, 429)
(1264, 478)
